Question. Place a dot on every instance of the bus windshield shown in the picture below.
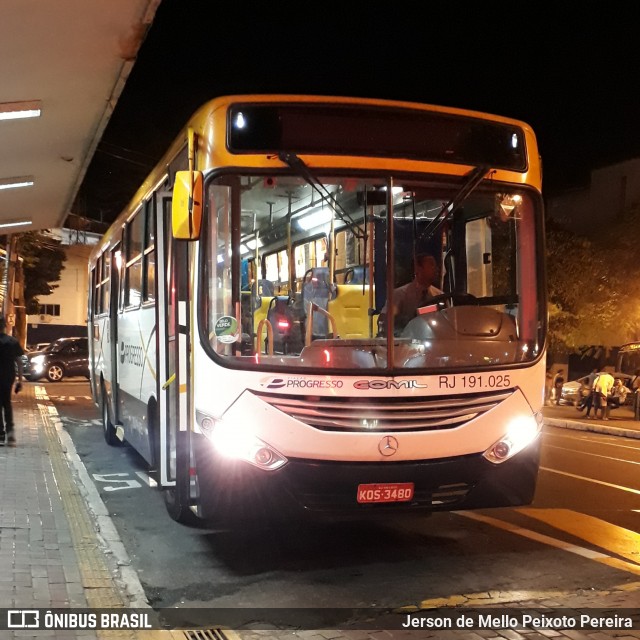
(378, 272)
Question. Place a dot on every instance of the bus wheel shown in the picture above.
(177, 497)
(153, 422)
(108, 429)
(178, 509)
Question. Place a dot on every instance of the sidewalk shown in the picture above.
(60, 550)
(620, 423)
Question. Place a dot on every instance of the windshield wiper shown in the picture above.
(474, 178)
(299, 166)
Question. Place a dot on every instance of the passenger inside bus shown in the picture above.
(317, 289)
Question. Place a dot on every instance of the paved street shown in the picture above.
(59, 549)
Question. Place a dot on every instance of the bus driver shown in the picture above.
(410, 297)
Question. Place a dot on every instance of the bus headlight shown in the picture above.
(521, 432)
(238, 443)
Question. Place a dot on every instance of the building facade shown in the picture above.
(611, 191)
(63, 313)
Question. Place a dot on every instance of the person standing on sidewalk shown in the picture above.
(558, 381)
(602, 388)
(10, 362)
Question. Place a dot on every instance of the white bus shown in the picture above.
(236, 335)
(628, 358)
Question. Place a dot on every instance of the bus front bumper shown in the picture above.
(237, 490)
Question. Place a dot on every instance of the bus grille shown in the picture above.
(384, 414)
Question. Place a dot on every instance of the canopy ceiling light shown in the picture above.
(16, 110)
(15, 223)
(15, 183)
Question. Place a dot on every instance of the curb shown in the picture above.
(594, 427)
(99, 536)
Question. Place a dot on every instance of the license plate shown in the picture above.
(387, 492)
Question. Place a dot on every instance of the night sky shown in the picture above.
(572, 76)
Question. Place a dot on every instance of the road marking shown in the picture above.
(623, 542)
(610, 441)
(81, 422)
(586, 453)
(605, 484)
(485, 598)
(589, 554)
(147, 479)
(119, 484)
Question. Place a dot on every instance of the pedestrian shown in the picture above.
(617, 397)
(10, 362)
(548, 387)
(602, 389)
(558, 381)
(586, 391)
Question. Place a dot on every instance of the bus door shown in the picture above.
(172, 321)
(111, 362)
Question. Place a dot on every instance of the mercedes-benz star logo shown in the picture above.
(388, 446)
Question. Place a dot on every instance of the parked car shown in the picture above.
(38, 347)
(574, 391)
(63, 357)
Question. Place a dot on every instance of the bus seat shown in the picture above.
(350, 310)
(356, 275)
(286, 331)
(317, 288)
(263, 288)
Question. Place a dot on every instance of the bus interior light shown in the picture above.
(315, 218)
(521, 432)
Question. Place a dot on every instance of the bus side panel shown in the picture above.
(136, 375)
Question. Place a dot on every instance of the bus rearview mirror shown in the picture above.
(186, 205)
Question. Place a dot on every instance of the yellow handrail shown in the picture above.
(269, 334)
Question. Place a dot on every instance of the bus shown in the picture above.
(237, 335)
(628, 360)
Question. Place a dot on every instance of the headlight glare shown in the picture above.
(521, 432)
(239, 443)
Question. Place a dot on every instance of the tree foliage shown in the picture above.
(619, 243)
(594, 285)
(43, 262)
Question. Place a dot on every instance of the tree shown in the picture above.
(43, 262)
(582, 300)
(618, 244)
(594, 285)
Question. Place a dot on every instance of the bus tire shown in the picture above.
(108, 429)
(178, 510)
(177, 497)
(153, 421)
